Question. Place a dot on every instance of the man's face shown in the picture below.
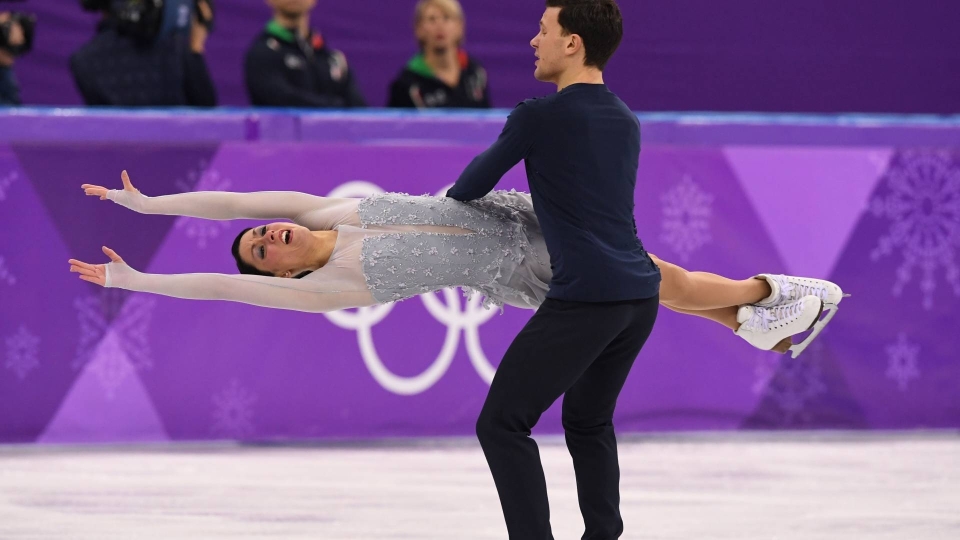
(550, 46)
(292, 8)
(439, 30)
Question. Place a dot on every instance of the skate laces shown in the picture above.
(790, 290)
(813, 290)
(786, 288)
(762, 317)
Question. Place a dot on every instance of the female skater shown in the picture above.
(353, 252)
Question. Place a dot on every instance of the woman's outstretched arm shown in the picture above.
(219, 205)
(326, 291)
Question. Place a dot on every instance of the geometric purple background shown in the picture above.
(694, 55)
(82, 364)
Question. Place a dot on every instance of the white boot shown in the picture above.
(764, 327)
(786, 289)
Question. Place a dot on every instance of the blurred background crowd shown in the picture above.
(750, 55)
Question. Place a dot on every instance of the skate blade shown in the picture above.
(845, 295)
(818, 327)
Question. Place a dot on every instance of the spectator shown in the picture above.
(441, 74)
(289, 65)
(153, 57)
(16, 38)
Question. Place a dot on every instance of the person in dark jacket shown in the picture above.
(290, 65)
(119, 68)
(442, 74)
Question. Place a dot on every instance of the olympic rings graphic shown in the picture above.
(466, 318)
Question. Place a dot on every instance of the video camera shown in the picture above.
(148, 20)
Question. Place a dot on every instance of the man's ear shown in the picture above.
(575, 44)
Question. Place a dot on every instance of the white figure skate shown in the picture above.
(786, 289)
(765, 327)
(791, 288)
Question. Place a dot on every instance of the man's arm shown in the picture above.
(352, 95)
(513, 145)
(267, 84)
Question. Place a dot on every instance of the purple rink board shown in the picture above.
(877, 214)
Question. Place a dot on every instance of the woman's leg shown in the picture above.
(698, 291)
(727, 317)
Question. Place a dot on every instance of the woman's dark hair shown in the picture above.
(598, 22)
(245, 268)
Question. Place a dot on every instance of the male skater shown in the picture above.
(581, 147)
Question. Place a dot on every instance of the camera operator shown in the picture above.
(16, 39)
(146, 53)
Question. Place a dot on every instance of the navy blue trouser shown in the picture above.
(583, 351)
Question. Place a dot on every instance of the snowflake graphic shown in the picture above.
(5, 183)
(902, 359)
(6, 276)
(22, 352)
(110, 365)
(233, 411)
(122, 322)
(923, 203)
(202, 230)
(789, 382)
(687, 210)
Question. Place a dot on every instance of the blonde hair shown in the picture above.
(450, 8)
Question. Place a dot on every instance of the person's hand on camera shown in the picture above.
(201, 24)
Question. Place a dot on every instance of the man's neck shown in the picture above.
(442, 60)
(299, 23)
(584, 75)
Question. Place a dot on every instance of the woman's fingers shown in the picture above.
(127, 184)
(95, 191)
(112, 254)
(83, 271)
(98, 281)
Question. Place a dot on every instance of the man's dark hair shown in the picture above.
(245, 268)
(597, 22)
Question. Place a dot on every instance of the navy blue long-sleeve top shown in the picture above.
(581, 148)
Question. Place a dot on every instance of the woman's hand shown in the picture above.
(100, 191)
(96, 273)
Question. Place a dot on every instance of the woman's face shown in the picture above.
(283, 249)
(438, 30)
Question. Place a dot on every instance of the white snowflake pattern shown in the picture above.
(233, 411)
(202, 230)
(6, 276)
(111, 365)
(923, 204)
(125, 339)
(902, 361)
(790, 382)
(6, 182)
(22, 352)
(687, 211)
